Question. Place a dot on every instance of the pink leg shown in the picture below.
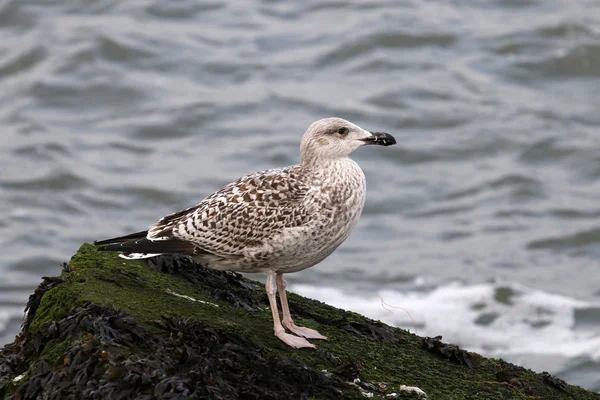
(288, 339)
(287, 317)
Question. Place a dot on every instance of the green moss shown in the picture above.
(147, 296)
(7, 387)
(129, 286)
(55, 304)
(54, 351)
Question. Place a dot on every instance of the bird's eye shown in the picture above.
(342, 131)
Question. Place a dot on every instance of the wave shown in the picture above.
(497, 320)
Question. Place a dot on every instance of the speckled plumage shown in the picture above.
(280, 219)
(277, 221)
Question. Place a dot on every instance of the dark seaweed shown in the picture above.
(449, 351)
(113, 357)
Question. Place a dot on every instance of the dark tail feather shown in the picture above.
(143, 245)
(121, 239)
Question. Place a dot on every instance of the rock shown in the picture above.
(115, 329)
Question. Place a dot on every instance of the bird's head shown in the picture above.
(331, 138)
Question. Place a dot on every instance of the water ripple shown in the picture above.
(58, 181)
(21, 61)
(574, 240)
(366, 45)
(114, 114)
(518, 185)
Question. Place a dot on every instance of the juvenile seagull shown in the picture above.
(275, 221)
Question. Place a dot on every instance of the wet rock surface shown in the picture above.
(109, 329)
(223, 285)
(449, 351)
(113, 357)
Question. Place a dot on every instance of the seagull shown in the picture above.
(275, 221)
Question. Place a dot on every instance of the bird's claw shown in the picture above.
(304, 332)
(294, 341)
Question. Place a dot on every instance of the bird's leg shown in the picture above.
(288, 339)
(287, 317)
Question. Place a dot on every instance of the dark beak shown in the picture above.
(380, 138)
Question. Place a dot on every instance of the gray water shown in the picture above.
(483, 222)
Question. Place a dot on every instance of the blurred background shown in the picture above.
(483, 222)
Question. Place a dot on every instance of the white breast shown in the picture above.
(337, 201)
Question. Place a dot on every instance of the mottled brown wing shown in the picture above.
(242, 214)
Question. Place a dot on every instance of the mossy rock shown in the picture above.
(115, 329)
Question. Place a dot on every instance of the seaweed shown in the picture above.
(114, 329)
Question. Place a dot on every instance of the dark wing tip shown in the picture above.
(121, 239)
(143, 245)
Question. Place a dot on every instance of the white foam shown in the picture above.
(532, 322)
(5, 316)
(9, 317)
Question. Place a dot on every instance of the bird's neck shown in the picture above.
(335, 169)
(322, 163)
